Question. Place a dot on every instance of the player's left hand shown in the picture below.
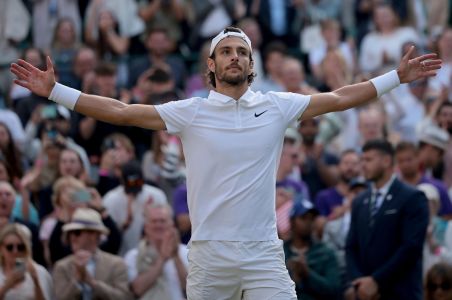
(418, 67)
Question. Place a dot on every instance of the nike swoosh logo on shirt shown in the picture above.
(258, 115)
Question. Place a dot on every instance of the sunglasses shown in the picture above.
(78, 232)
(17, 247)
(443, 286)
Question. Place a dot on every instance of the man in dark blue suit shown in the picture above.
(387, 231)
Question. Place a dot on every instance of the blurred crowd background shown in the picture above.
(73, 189)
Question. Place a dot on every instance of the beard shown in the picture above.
(308, 139)
(375, 176)
(234, 80)
(346, 178)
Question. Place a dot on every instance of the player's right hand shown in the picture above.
(30, 77)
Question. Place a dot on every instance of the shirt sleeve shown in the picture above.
(180, 204)
(177, 115)
(291, 105)
(131, 262)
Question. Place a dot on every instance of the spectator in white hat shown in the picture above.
(433, 142)
(89, 273)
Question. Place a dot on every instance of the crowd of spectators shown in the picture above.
(93, 210)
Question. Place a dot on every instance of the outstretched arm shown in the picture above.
(100, 108)
(358, 94)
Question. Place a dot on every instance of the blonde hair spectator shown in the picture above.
(20, 276)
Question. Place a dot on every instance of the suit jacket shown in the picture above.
(110, 275)
(291, 38)
(390, 250)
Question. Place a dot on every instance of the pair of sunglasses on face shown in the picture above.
(18, 247)
(79, 231)
(443, 286)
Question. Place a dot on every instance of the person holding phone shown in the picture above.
(70, 194)
(21, 277)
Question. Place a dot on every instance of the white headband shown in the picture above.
(224, 34)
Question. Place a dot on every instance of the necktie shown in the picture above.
(374, 206)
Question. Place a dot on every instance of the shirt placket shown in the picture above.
(238, 120)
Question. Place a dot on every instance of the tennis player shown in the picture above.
(232, 142)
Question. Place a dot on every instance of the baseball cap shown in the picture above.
(132, 177)
(227, 32)
(433, 135)
(302, 207)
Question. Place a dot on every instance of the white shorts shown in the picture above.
(223, 270)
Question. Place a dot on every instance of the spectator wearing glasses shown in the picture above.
(20, 276)
(438, 284)
(8, 201)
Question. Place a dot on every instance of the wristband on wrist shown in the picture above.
(386, 82)
(64, 95)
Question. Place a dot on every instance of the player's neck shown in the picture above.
(232, 91)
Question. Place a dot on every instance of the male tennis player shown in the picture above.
(232, 142)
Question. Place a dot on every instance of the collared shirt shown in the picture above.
(232, 150)
(382, 192)
(278, 16)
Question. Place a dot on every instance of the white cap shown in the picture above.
(292, 133)
(434, 135)
(430, 191)
(224, 34)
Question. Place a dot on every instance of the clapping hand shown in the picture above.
(170, 244)
(81, 259)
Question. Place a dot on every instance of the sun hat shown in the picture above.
(86, 219)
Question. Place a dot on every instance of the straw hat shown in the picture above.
(86, 219)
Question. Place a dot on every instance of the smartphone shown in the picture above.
(49, 112)
(52, 134)
(108, 144)
(20, 265)
(81, 196)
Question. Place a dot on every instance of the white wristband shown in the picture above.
(386, 82)
(64, 95)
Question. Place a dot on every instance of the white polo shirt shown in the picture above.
(232, 150)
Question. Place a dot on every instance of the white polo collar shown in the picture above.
(247, 97)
